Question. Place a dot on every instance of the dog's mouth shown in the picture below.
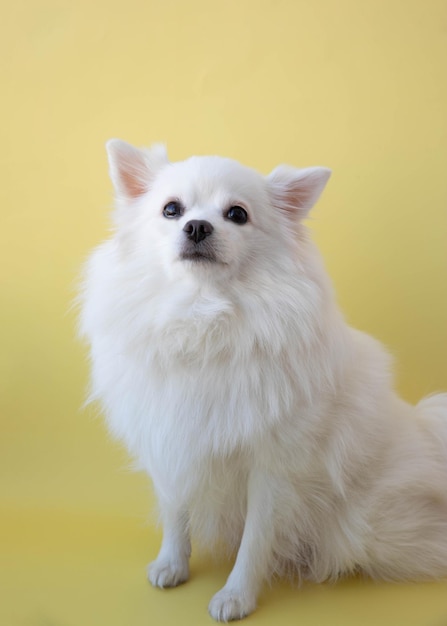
(197, 257)
(201, 252)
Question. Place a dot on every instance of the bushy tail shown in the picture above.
(434, 409)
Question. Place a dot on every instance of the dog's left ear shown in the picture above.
(295, 191)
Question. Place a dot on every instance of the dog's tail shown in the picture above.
(434, 409)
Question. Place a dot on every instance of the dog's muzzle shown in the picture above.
(198, 245)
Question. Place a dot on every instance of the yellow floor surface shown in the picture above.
(81, 570)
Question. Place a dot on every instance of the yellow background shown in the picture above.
(359, 86)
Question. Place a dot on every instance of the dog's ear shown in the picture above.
(295, 191)
(132, 169)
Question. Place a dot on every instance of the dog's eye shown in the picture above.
(173, 209)
(237, 214)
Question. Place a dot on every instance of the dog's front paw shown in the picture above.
(163, 573)
(230, 604)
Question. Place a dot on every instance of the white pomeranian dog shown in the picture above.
(266, 424)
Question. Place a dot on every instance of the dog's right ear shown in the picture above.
(132, 169)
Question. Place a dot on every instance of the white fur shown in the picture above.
(264, 421)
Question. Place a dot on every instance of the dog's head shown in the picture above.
(207, 214)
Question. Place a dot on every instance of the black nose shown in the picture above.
(198, 229)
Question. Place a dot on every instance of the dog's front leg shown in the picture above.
(238, 597)
(171, 568)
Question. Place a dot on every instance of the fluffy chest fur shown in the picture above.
(212, 367)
